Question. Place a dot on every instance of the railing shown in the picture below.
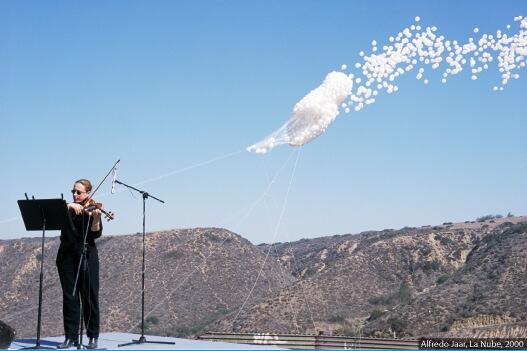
(298, 341)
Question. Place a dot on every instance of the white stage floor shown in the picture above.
(111, 340)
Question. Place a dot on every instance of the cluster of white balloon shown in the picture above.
(412, 47)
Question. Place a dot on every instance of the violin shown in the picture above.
(91, 205)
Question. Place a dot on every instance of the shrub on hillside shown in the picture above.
(336, 319)
(403, 295)
(442, 279)
(487, 217)
(376, 313)
(397, 325)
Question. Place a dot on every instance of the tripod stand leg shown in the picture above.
(142, 340)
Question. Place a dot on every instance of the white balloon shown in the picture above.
(311, 115)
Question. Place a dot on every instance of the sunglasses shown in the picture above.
(77, 192)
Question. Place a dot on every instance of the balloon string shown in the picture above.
(277, 227)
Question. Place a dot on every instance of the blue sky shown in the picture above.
(165, 85)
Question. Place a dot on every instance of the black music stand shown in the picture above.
(43, 214)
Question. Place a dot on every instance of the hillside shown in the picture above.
(192, 278)
(453, 279)
(461, 279)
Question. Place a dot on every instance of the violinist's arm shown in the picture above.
(77, 208)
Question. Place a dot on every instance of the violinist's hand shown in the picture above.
(96, 214)
(77, 208)
(96, 224)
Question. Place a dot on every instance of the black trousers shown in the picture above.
(87, 291)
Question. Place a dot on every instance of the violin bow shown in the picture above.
(102, 181)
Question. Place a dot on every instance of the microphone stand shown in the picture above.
(142, 338)
(84, 265)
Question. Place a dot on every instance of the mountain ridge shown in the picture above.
(411, 282)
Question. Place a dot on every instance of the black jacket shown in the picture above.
(72, 237)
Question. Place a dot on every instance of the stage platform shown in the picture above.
(110, 341)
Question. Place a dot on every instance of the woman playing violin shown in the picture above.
(85, 223)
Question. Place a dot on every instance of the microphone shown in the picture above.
(113, 181)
